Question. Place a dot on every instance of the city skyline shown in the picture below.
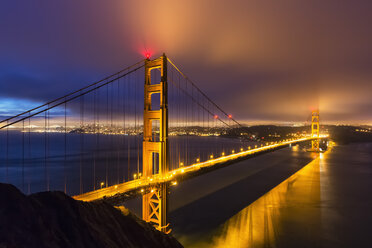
(255, 60)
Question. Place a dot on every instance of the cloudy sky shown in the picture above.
(264, 61)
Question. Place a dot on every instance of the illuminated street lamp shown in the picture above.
(102, 183)
(134, 176)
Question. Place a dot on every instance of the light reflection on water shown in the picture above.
(277, 214)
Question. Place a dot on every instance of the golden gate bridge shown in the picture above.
(120, 136)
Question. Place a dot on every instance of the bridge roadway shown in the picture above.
(145, 184)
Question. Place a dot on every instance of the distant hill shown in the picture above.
(341, 134)
(53, 219)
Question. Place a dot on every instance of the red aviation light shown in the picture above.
(216, 117)
(230, 116)
(147, 55)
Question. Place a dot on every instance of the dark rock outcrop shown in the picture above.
(53, 219)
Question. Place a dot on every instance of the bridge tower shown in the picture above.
(155, 147)
(315, 130)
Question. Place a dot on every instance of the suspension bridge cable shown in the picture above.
(210, 100)
(202, 106)
(74, 92)
(70, 99)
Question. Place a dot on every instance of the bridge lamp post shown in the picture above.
(102, 183)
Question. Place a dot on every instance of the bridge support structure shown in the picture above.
(155, 147)
(315, 130)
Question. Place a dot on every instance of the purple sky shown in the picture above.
(263, 61)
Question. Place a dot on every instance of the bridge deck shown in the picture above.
(142, 183)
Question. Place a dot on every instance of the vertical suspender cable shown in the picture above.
(23, 156)
(65, 150)
(129, 120)
(137, 135)
(29, 154)
(112, 152)
(7, 153)
(45, 150)
(95, 133)
(118, 145)
(107, 119)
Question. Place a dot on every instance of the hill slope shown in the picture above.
(53, 219)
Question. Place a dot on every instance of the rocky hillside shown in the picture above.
(53, 219)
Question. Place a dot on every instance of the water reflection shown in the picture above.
(289, 210)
